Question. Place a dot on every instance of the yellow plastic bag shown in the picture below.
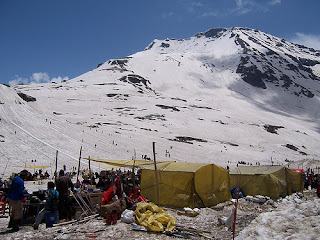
(152, 217)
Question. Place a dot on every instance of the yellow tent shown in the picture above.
(186, 184)
(181, 184)
(272, 181)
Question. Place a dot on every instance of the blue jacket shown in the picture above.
(51, 193)
(17, 189)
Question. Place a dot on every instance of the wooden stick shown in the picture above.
(76, 221)
(156, 172)
(79, 165)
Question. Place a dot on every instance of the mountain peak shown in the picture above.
(225, 95)
(259, 59)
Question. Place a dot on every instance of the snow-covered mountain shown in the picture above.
(223, 96)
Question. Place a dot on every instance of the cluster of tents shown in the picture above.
(192, 185)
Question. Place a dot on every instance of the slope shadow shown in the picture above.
(282, 102)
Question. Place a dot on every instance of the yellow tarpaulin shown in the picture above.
(152, 217)
(272, 181)
(130, 163)
(35, 167)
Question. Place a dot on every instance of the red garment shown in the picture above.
(141, 199)
(107, 196)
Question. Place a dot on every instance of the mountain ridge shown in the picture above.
(220, 96)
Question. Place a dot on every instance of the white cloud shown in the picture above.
(39, 77)
(242, 7)
(237, 7)
(59, 79)
(274, 2)
(197, 4)
(308, 40)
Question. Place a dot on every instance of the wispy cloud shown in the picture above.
(39, 77)
(212, 13)
(236, 7)
(167, 15)
(274, 2)
(243, 7)
(217, 8)
(308, 40)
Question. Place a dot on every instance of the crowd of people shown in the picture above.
(311, 180)
(113, 184)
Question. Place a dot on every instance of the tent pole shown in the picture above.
(155, 170)
(56, 173)
(79, 165)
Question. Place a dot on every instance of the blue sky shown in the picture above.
(43, 40)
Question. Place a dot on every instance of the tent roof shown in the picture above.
(131, 163)
(161, 165)
(33, 167)
(183, 166)
(252, 170)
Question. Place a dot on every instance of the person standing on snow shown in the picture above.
(63, 183)
(15, 196)
(48, 208)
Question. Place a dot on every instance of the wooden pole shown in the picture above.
(90, 177)
(79, 165)
(156, 171)
(134, 175)
(56, 173)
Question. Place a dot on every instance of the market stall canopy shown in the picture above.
(35, 167)
(131, 163)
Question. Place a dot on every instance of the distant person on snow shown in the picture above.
(63, 183)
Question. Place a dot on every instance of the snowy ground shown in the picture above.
(293, 217)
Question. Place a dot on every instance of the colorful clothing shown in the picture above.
(17, 189)
(51, 193)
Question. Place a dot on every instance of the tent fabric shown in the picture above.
(187, 184)
(131, 163)
(294, 181)
(272, 181)
(181, 184)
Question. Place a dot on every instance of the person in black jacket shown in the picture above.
(63, 183)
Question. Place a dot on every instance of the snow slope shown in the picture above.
(209, 98)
